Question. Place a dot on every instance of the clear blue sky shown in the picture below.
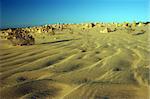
(20, 13)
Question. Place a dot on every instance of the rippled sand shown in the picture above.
(84, 65)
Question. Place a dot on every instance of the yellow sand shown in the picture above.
(85, 64)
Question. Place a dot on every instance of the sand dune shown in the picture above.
(84, 64)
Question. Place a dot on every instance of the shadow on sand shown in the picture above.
(59, 41)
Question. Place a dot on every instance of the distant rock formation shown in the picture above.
(140, 24)
(20, 37)
(107, 30)
(27, 36)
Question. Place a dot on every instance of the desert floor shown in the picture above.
(85, 64)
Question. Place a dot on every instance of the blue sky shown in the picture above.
(20, 13)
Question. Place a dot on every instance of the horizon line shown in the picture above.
(28, 26)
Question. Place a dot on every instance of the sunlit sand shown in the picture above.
(77, 61)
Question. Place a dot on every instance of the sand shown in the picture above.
(82, 64)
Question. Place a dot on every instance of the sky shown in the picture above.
(22, 13)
